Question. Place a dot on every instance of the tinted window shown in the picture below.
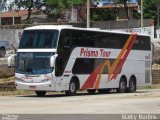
(142, 43)
(33, 63)
(82, 38)
(38, 39)
(88, 65)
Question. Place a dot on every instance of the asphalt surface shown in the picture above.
(143, 101)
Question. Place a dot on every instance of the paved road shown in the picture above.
(143, 101)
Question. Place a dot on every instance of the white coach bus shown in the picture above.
(63, 58)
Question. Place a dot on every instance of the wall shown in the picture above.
(12, 32)
(11, 35)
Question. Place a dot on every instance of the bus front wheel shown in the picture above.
(40, 93)
(72, 88)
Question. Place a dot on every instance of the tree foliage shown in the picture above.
(54, 8)
(3, 5)
(75, 2)
(29, 5)
(150, 8)
(103, 15)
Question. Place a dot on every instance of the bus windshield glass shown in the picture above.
(33, 63)
(38, 39)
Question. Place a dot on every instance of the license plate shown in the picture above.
(32, 87)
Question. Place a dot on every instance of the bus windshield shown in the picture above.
(38, 39)
(33, 63)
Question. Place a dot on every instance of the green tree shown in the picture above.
(54, 8)
(103, 14)
(3, 5)
(150, 9)
(78, 5)
(28, 5)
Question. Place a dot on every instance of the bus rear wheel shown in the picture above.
(122, 86)
(72, 88)
(132, 85)
(40, 93)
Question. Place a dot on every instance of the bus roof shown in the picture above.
(60, 27)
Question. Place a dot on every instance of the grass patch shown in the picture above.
(7, 72)
(16, 92)
(154, 86)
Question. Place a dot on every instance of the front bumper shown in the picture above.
(47, 86)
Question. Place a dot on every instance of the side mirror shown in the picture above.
(53, 60)
(11, 61)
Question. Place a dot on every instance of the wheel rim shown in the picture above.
(123, 86)
(72, 87)
(132, 85)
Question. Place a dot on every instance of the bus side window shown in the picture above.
(67, 42)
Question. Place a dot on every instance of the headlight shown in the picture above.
(19, 80)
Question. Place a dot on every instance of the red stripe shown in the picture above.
(92, 78)
(123, 59)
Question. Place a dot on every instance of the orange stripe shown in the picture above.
(116, 62)
(112, 68)
(108, 65)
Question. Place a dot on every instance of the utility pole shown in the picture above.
(13, 13)
(88, 13)
(141, 15)
(158, 12)
(158, 9)
(0, 16)
(1, 13)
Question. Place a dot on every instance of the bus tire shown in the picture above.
(91, 91)
(72, 88)
(122, 85)
(2, 52)
(40, 93)
(132, 85)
